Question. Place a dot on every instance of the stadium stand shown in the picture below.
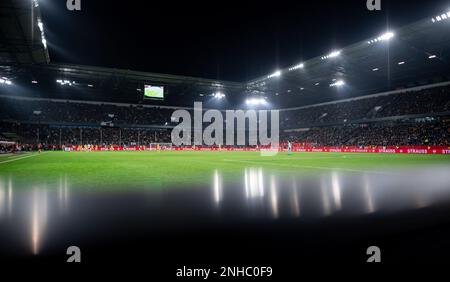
(405, 118)
(380, 135)
(427, 101)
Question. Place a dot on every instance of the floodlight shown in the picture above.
(5, 80)
(401, 63)
(256, 101)
(375, 69)
(65, 82)
(40, 25)
(337, 83)
(41, 28)
(333, 54)
(299, 66)
(432, 56)
(444, 16)
(275, 74)
(34, 81)
(219, 95)
(384, 37)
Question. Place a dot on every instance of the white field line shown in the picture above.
(9, 155)
(312, 167)
(20, 158)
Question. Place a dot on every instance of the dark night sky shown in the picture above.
(230, 40)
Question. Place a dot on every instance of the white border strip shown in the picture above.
(20, 158)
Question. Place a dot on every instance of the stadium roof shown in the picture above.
(127, 85)
(22, 39)
(413, 55)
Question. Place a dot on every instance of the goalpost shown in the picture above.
(161, 146)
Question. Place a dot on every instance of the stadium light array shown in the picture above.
(219, 95)
(41, 28)
(401, 63)
(333, 54)
(442, 17)
(275, 74)
(65, 82)
(35, 3)
(375, 69)
(34, 82)
(299, 66)
(5, 80)
(256, 101)
(384, 37)
(338, 83)
(40, 25)
(432, 57)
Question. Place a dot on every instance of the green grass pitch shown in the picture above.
(150, 170)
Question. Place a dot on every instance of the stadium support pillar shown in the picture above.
(38, 114)
(139, 138)
(81, 136)
(101, 137)
(120, 137)
(60, 135)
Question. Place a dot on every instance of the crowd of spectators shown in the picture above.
(366, 135)
(50, 136)
(43, 111)
(433, 100)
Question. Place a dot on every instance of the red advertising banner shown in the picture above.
(433, 150)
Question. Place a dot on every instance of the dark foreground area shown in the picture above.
(265, 221)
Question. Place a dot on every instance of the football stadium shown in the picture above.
(339, 154)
